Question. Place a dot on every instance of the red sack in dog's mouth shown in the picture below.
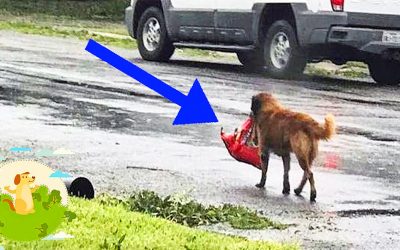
(238, 144)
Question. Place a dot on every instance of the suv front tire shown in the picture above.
(153, 41)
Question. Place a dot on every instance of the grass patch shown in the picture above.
(352, 73)
(351, 70)
(201, 53)
(357, 64)
(107, 224)
(316, 71)
(183, 210)
(82, 34)
(86, 10)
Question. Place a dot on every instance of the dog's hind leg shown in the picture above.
(313, 194)
(303, 165)
(308, 175)
(313, 155)
(286, 169)
(301, 147)
(264, 167)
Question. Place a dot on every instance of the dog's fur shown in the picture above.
(282, 131)
(23, 194)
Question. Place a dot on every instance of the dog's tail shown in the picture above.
(327, 130)
(10, 204)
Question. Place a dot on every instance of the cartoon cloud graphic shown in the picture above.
(60, 174)
(63, 151)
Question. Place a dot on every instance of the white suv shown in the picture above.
(277, 35)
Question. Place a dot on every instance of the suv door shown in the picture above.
(193, 20)
(234, 21)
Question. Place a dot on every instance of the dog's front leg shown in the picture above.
(264, 167)
(34, 189)
(7, 188)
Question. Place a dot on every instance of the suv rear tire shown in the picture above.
(384, 71)
(282, 53)
(252, 60)
(153, 41)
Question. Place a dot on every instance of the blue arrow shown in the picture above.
(195, 107)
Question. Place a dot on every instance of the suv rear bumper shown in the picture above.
(359, 31)
(363, 39)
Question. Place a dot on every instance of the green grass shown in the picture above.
(109, 225)
(87, 10)
(184, 210)
(201, 53)
(352, 70)
(316, 71)
(357, 64)
(352, 73)
(82, 34)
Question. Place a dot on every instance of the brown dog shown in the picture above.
(23, 194)
(282, 131)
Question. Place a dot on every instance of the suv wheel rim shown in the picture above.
(280, 50)
(151, 34)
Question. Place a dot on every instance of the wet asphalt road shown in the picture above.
(54, 94)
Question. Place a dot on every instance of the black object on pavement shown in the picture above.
(80, 187)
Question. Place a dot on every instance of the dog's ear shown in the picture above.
(255, 105)
(17, 179)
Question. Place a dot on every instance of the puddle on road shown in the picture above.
(64, 106)
(368, 134)
(368, 212)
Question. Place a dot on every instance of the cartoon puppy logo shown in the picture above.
(23, 194)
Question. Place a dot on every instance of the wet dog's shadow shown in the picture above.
(252, 194)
